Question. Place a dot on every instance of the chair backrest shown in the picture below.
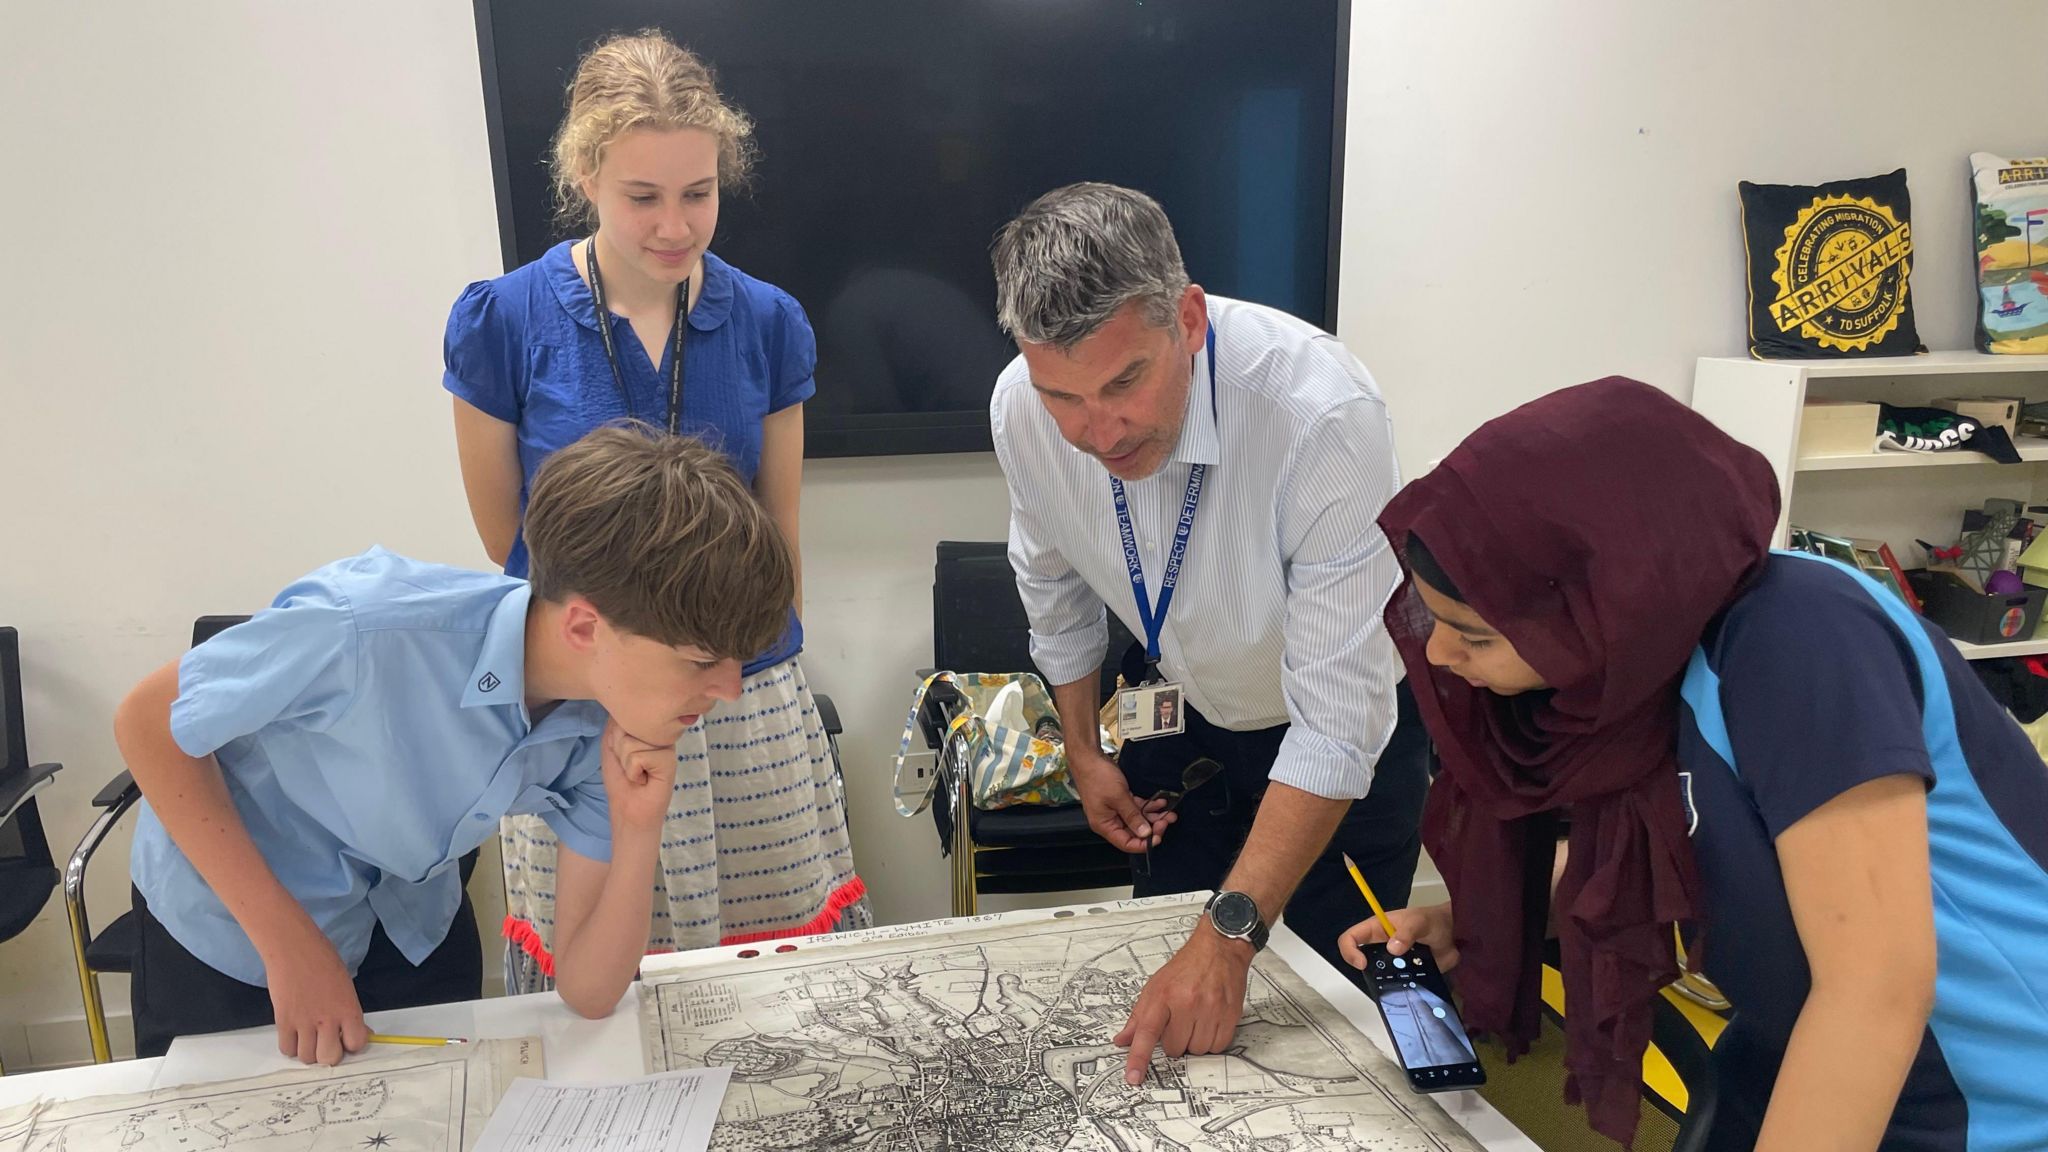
(13, 730)
(23, 846)
(978, 620)
(207, 627)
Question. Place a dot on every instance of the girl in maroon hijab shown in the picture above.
(1764, 746)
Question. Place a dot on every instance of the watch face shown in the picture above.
(1234, 914)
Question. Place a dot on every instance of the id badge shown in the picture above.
(1150, 710)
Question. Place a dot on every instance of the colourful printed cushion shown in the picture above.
(2012, 254)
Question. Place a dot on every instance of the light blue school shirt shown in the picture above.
(371, 727)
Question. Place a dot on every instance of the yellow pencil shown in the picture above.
(1371, 899)
(428, 1041)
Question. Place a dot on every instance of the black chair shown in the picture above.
(1684, 1034)
(113, 949)
(27, 873)
(979, 625)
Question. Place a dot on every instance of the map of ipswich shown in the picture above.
(998, 1040)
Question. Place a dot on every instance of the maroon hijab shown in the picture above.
(1600, 529)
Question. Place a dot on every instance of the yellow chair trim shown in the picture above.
(1704, 1020)
(1658, 1073)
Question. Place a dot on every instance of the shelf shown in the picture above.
(1929, 364)
(2009, 648)
(2032, 450)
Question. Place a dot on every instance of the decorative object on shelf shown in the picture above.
(1941, 430)
(2034, 419)
(1830, 268)
(1984, 539)
(2033, 564)
(1943, 562)
(1990, 411)
(2012, 254)
(1837, 428)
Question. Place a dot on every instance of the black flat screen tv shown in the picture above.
(897, 136)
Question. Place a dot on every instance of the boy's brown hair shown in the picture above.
(662, 536)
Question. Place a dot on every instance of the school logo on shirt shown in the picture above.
(1841, 273)
(489, 682)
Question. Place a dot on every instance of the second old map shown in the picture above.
(998, 1040)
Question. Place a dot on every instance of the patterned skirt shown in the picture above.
(755, 846)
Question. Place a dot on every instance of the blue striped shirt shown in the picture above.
(1276, 618)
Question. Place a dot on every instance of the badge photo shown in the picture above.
(1151, 710)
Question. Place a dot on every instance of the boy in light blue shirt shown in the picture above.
(313, 778)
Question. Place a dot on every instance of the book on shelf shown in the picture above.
(1873, 558)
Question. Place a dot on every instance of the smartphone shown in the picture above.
(1416, 1005)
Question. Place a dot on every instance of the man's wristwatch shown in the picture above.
(1236, 915)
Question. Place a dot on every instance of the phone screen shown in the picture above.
(1423, 1022)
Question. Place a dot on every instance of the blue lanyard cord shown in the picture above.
(1156, 624)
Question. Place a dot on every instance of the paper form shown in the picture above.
(666, 1112)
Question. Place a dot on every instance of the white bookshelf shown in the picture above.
(2032, 451)
(1893, 367)
(1897, 497)
(2015, 648)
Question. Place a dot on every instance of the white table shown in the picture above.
(609, 1049)
(575, 1048)
(118, 1078)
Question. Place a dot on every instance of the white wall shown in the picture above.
(234, 233)
(237, 232)
(236, 229)
(1543, 194)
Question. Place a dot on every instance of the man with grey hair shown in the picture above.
(1213, 470)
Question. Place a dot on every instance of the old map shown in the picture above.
(432, 1100)
(998, 1040)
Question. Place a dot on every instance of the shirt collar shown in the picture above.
(714, 303)
(714, 300)
(499, 677)
(1199, 443)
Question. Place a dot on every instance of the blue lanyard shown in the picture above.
(1155, 624)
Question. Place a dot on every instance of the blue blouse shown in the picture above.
(525, 348)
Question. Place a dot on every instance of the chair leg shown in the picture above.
(88, 984)
(964, 895)
(81, 935)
